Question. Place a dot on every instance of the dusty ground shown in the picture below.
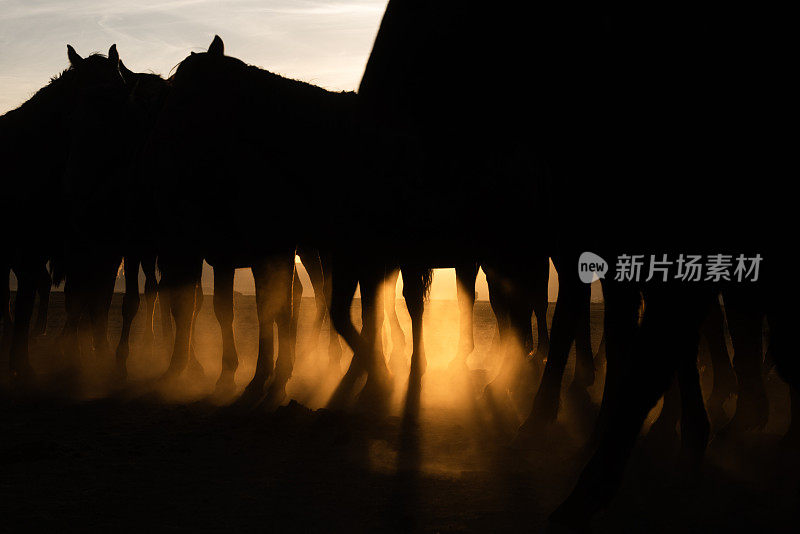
(84, 455)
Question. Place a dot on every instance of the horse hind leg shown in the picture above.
(223, 310)
(130, 306)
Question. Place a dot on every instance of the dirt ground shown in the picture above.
(83, 453)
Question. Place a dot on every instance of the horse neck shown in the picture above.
(47, 107)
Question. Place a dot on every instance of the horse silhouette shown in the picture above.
(211, 127)
(49, 121)
(420, 126)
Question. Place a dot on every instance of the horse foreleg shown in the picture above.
(724, 376)
(99, 302)
(286, 321)
(466, 275)
(397, 358)
(296, 298)
(223, 310)
(272, 276)
(130, 306)
(150, 294)
(669, 332)
(23, 310)
(334, 346)
(745, 317)
(378, 386)
(414, 294)
(573, 298)
(44, 283)
(5, 307)
(539, 294)
(179, 282)
(195, 368)
(313, 265)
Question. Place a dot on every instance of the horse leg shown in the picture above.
(148, 263)
(313, 263)
(414, 294)
(223, 311)
(20, 366)
(99, 302)
(511, 297)
(539, 294)
(5, 307)
(782, 320)
(378, 386)
(397, 358)
(165, 311)
(669, 329)
(343, 288)
(745, 315)
(573, 300)
(74, 306)
(664, 431)
(44, 283)
(195, 368)
(724, 375)
(271, 280)
(179, 279)
(130, 306)
(334, 347)
(296, 298)
(286, 321)
(466, 274)
(695, 428)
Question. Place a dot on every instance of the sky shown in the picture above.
(324, 42)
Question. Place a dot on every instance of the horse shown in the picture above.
(212, 125)
(48, 121)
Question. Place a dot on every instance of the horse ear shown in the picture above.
(127, 74)
(74, 58)
(217, 47)
(113, 55)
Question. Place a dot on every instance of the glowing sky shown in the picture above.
(323, 42)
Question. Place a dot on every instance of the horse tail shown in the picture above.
(427, 281)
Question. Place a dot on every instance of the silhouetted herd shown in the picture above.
(491, 139)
